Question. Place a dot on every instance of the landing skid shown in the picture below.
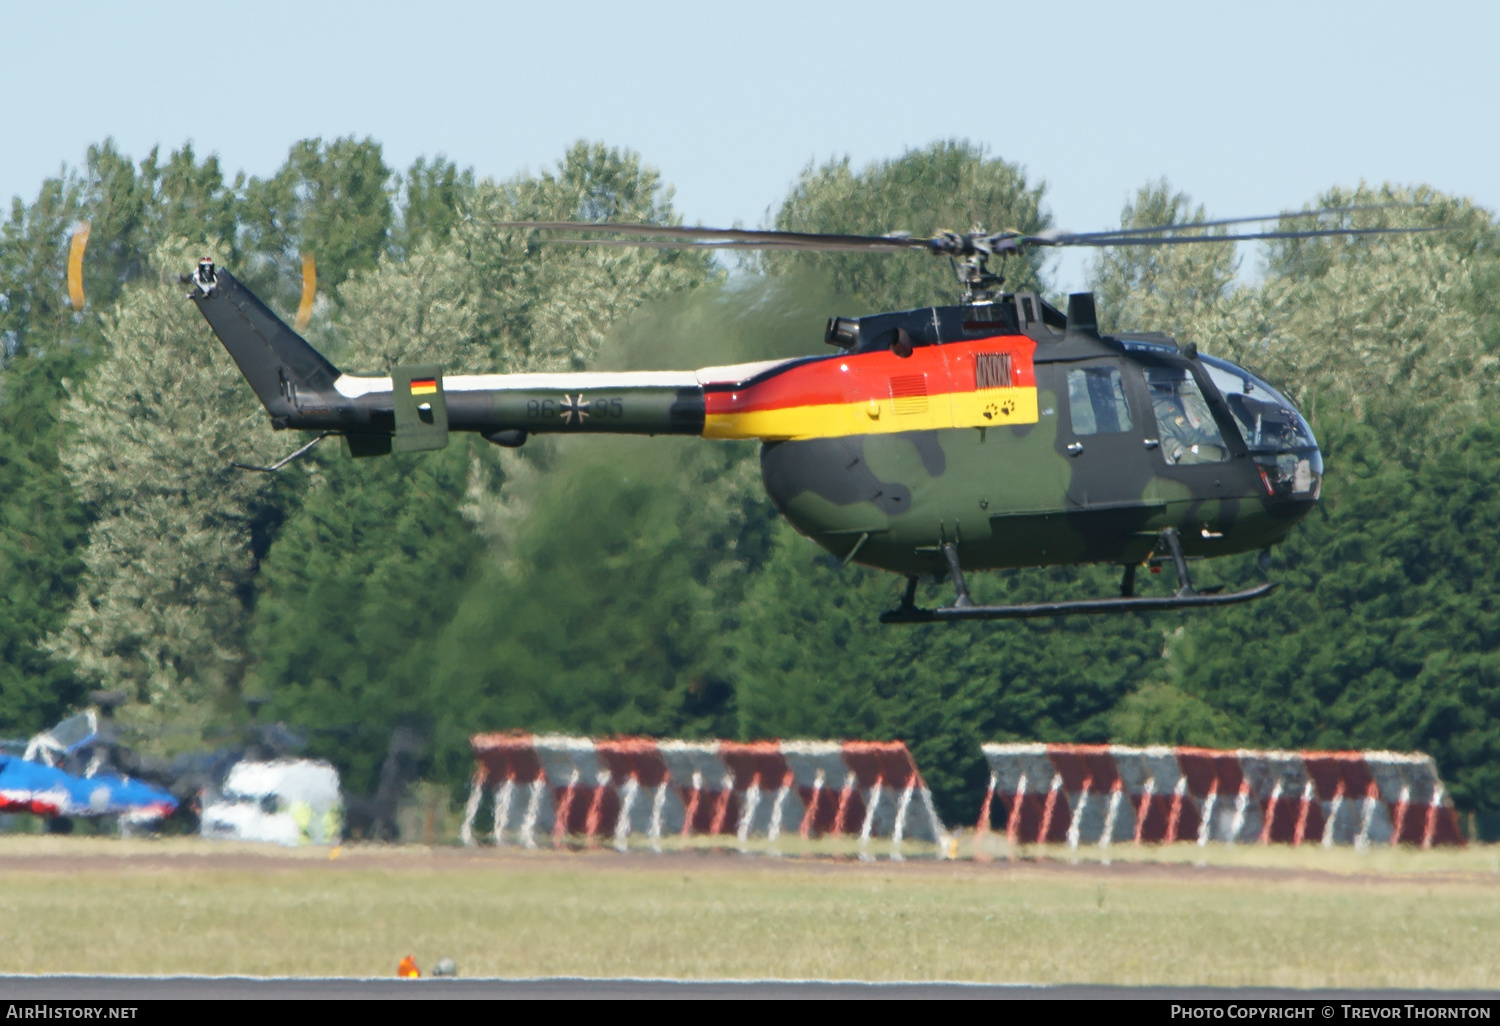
(1108, 605)
(963, 607)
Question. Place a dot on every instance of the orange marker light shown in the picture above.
(408, 970)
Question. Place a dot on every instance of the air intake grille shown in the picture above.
(909, 393)
(992, 370)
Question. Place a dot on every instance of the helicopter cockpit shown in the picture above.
(1276, 435)
(1189, 433)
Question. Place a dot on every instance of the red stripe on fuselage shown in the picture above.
(859, 377)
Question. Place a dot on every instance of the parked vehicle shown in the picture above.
(285, 801)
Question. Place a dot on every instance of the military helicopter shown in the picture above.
(995, 433)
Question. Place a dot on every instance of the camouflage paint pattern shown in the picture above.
(940, 425)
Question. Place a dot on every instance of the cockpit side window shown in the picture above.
(1187, 429)
(1096, 401)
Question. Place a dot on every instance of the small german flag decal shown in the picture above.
(423, 386)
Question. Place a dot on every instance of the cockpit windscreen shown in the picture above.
(1267, 420)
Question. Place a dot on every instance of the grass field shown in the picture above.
(1270, 916)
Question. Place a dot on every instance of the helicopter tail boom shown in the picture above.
(415, 407)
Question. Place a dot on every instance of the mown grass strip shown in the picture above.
(602, 916)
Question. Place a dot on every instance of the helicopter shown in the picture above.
(999, 432)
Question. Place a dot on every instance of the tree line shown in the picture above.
(618, 585)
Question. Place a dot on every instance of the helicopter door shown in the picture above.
(1101, 432)
(1188, 432)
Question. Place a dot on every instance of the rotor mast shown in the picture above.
(980, 285)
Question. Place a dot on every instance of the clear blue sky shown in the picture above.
(1250, 107)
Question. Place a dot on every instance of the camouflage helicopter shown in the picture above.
(995, 433)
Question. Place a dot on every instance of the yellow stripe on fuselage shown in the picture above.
(992, 407)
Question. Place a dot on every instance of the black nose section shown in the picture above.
(1292, 477)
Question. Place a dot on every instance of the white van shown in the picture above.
(287, 801)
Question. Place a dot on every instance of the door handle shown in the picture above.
(1075, 449)
(1151, 443)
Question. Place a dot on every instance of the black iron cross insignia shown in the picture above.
(574, 409)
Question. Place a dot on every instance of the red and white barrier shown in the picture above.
(1103, 794)
(568, 786)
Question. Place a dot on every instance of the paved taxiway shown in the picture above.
(155, 988)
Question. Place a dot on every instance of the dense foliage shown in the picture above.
(645, 585)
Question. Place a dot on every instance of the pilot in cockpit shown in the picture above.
(1188, 431)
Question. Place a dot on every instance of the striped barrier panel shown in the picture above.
(561, 787)
(1104, 794)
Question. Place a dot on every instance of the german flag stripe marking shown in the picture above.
(998, 407)
(423, 386)
(986, 383)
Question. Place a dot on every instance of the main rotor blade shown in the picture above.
(815, 247)
(790, 240)
(652, 236)
(1065, 238)
(1178, 240)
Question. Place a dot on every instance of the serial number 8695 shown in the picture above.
(541, 408)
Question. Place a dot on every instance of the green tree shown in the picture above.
(34, 249)
(330, 199)
(42, 534)
(417, 310)
(351, 600)
(116, 200)
(190, 200)
(134, 209)
(544, 307)
(1165, 288)
(434, 197)
(1466, 229)
(44, 344)
(949, 185)
(35, 312)
(160, 606)
(603, 623)
(130, 212)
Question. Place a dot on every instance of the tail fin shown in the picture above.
(278, 363)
